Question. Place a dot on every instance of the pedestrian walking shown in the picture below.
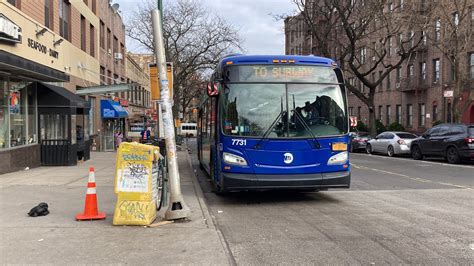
(118, 138)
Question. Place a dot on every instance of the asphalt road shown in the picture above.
(398, 211)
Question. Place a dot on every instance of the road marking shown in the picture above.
(428, 162)
(419, 179)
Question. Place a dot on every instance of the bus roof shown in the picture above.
(239, 59)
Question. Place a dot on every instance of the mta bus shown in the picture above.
(275, 122)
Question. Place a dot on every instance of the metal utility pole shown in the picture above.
(177, 209)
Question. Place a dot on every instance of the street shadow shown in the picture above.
(276, 196)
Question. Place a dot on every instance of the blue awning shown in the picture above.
(111, 109)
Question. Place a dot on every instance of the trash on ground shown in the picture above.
(40, 210)
(220, 211)
(40, 240)
(27, 168)
(160, 224)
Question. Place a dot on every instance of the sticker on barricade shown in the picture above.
(135, 184)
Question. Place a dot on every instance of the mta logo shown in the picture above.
(288, 158)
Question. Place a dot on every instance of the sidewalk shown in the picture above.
(59, 239)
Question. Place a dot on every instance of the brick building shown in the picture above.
(412, 95)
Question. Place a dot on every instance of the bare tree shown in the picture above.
(195, 39)
(455, 17)
(365, 36)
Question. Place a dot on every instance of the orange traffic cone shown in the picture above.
(91, 211)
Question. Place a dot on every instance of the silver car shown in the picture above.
(391, 143)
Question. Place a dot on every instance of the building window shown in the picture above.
(424, 38)
(390, 7)
(380, 113)
(389, 52)
(115, 45)
(363, 53)
(388, 114)
(452, 62)
(102, 34)
(449, 113)
(359, 113)
(436, 70)
(399, 114)
(422, 115)
(15, 3)
(102, 76)
(388, 82)
(409, 115)
(435, 112)
(92, 127)
(92, 40)
(399, 74)
(456, 19)
(48, 10)
(83, 33)
(94, 6)
(122, 51)
(423, 71)
(109, 40)
(351, 111)
(411, 71)
(471, 65)
(437, 30)
(64, 19)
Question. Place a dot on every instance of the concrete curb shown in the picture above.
(207, 214)
(199, 194)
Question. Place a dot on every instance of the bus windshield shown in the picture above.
(288, 110)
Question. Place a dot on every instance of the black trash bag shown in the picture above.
(40, 210)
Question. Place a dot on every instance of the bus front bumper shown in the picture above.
(234, 181)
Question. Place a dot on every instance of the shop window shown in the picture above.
(4, 116)
(54, 126)
(32, 116)
(18, 101)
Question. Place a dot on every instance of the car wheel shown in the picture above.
(368, 149)
(416, 153)
(390, 151)
(452, 155)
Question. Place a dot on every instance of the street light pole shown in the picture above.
(177, 209)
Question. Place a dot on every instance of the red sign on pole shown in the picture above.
(353, 120)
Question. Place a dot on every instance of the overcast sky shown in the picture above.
(261, 33)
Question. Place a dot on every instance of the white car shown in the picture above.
(391, 143)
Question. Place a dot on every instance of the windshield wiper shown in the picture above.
(265, 135)
(315, 142)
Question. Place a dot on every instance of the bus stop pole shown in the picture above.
(177, 209)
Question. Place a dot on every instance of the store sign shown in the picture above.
(108, 113)
(448, 94)
(124, 102)
(9, 31)
(42, 48)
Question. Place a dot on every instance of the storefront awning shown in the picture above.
(24, 69)
(111, 109)
(54, 96)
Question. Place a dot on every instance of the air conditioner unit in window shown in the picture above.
(110, 51)
(397, 85)
(118, 56)
(373, 58)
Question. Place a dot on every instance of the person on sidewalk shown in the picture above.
(118, 138)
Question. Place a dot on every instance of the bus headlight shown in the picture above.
(234, 159)
(340, 158)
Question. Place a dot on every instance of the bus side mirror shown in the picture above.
(212, 89)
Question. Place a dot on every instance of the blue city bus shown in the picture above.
(275, 122)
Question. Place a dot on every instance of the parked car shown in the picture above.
(359, 141)
(455, 142)
(391, 143)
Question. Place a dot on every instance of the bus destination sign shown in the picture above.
(281, 73)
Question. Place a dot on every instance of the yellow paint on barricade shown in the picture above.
(136, 174)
